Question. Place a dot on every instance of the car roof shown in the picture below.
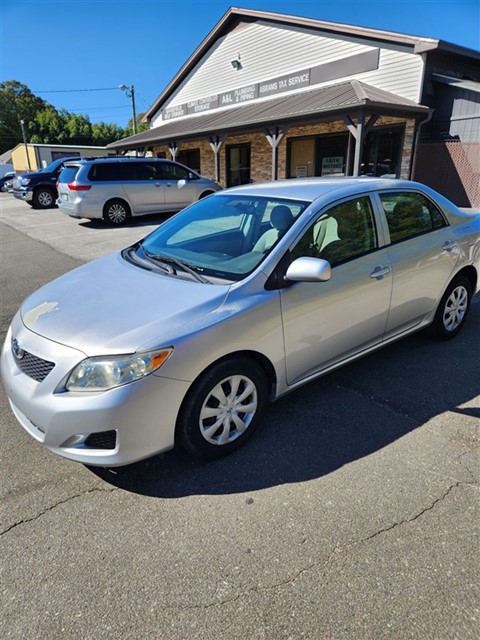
(310, 189)
(119, 159)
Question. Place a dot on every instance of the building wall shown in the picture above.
(261, 151)
(19, 159)
(42, 155)
(269, 51)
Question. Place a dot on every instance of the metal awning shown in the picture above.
(340, 100)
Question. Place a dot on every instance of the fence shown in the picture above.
(452, 168)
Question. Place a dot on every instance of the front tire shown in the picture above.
(116, 212)
(43, 199)
(452, 310)
(223, 408)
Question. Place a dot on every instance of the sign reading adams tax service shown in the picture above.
(351, 65)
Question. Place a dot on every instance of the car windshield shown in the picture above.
(223, 236)
(52, 166)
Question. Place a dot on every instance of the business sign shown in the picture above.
(244, 94)
(284, 83)
(332, 166)
(336, 69)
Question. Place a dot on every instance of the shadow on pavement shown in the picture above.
(140, 221)
(328, 423)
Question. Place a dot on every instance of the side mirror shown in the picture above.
(309, 270)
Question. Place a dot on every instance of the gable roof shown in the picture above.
(417, 44)
(342, 98)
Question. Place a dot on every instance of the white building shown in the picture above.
(267, 95)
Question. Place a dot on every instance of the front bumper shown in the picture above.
(142, 414)
(23, 193)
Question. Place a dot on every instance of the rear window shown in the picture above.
(68, 174)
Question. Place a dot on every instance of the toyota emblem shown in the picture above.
(18, 352)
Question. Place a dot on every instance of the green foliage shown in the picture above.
(103, 133)
(141, 126)
(45, 125)
(17, 103)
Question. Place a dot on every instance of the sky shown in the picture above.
(75, 53)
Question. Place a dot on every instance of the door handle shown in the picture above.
(449, 245)
(380, 272)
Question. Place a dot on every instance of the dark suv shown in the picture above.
(38, 188)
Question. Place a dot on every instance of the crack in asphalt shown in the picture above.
(54, 506)
(388, 404)
(337, 550)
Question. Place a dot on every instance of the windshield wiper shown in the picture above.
(167, 260)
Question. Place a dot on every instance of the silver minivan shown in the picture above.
(116, 188)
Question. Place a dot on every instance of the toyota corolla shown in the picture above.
(184, 337)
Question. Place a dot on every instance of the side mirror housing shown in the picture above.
(309, 270)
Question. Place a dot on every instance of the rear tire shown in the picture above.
(116, 212)
(452, 310)
(43, 198)
(223, 408)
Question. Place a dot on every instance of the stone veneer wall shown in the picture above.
(261, 151)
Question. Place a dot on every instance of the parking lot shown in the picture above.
(353, 513)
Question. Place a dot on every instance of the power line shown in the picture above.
(77, 90)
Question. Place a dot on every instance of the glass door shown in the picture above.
(238, 164)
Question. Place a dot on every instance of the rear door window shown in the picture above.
(410, 214)
(144, 170)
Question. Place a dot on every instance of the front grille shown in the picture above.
(33, 366)
(102, 440)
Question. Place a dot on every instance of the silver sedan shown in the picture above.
(184, 337)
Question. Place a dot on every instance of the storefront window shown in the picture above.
(190, 158)
(381, 153)
(332, 155)
(327, 155)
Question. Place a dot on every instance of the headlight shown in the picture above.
(107, 372)
(24, 181)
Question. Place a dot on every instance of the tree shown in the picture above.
(17, 103)
(103, 133)
(141, 126)
(79, 129)
(45, 125)
(48, 126)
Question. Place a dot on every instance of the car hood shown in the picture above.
(29, 174)
(111, 306)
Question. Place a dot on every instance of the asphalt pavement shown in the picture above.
(353, 514)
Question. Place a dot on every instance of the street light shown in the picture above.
(22, 124)
(130, 91)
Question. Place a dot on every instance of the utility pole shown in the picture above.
(22, 124)
(130, 91)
